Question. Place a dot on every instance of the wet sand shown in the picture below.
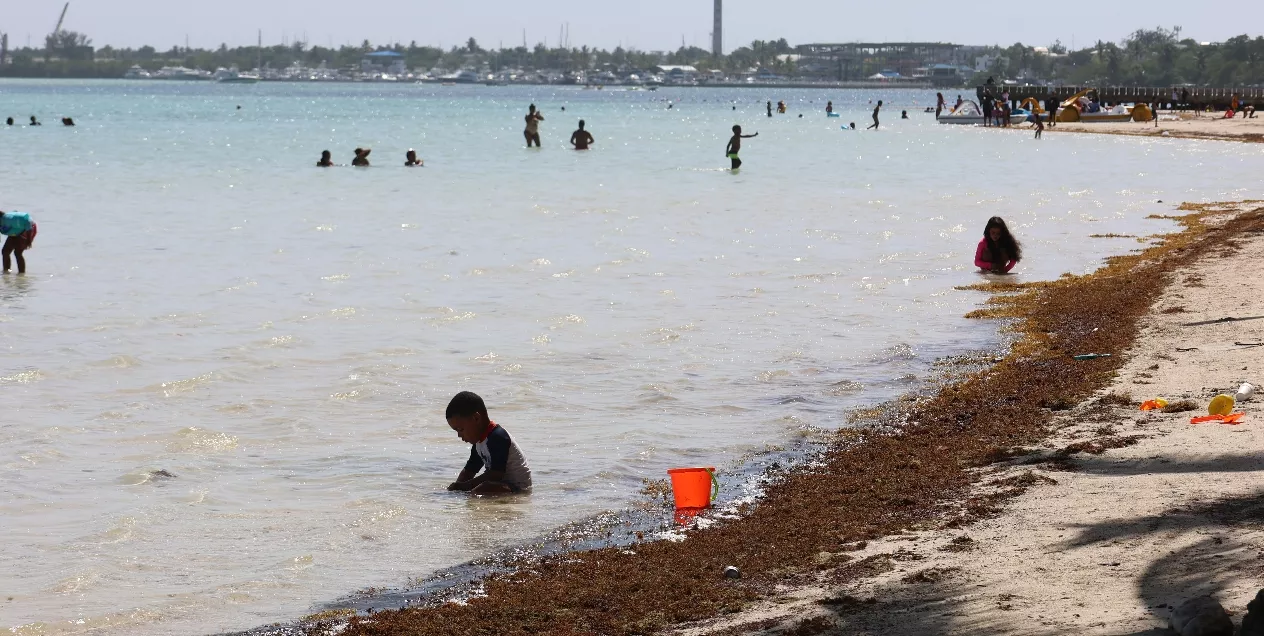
(1183, 125)
(1144, 512)
(827, 534)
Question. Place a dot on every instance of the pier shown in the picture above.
(1217, 98)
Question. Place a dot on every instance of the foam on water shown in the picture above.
(282, 340)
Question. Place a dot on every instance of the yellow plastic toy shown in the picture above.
(1220, 405)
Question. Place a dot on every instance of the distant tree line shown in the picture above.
(1157, 57)
(1147, 57)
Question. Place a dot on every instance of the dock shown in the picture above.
(1216, 98)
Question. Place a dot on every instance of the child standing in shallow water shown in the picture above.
(493, 451)
(735, 146)
(998, 252)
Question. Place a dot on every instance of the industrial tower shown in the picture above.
(717, 30)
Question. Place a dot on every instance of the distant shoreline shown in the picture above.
(805, 84)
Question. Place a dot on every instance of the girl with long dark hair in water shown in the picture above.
(998, 252)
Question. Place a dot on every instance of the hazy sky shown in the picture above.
(644, 24)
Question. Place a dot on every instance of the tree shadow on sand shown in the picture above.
(1227, 553)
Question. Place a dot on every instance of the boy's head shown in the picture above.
(737, 130)
(467, 415)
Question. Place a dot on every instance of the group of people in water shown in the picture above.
(361, 159)
(65, 121)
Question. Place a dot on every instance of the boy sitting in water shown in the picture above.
(506, 470)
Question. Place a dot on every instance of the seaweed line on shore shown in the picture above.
(906, 469)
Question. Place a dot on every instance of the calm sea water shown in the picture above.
(283, 339)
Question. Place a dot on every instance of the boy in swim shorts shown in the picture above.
(735, 146)
(492, 450)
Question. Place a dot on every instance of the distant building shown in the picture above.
(383, 62)
(717, 29)
(945, 75)
(847, 61)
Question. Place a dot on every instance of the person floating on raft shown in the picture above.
(998, 252)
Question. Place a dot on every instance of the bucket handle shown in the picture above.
(715, 485)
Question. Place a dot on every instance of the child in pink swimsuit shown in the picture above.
(998, 252)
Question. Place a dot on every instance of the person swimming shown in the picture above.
(9, 121)
(410, 159)
(361, 157)
(35, 122)
(581, 138)
(66, 121)
(326, 160)
(904, 114)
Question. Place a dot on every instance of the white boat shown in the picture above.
(969, 113)
(233, 76)
(180, 73)
(136, 72)
(459, 77)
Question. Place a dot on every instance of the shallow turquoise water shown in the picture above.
(283, 339)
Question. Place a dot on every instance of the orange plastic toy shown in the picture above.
(694, 487)
(1232, 418)
(1151, 405)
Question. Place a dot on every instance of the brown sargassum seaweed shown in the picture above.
(878, 482)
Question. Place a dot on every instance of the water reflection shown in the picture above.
(15, 286)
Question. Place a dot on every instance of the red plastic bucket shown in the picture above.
(694, 487)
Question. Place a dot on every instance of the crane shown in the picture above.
(57, 29)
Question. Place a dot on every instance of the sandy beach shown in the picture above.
(1107, 541)
(1207, 126)
(1031, 497)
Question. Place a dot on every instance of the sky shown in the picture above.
(642, 24)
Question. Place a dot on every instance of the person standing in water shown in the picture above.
(770, 108)
(581, 138)
(1040, 125)
(326, 160)
(829, 108)
(998, 252)
(532, 131)
(939, 104)
(19, 233)
(361, 157)
(35, 122)
(875, 116)
(411, 160)
(735, 146)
